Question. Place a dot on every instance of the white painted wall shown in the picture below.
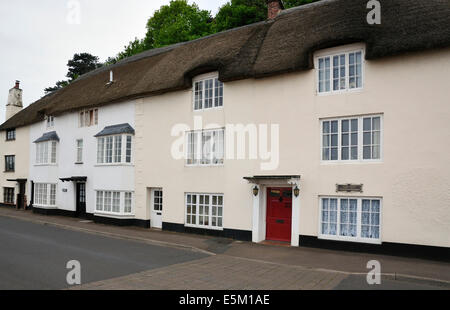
(21, 149)
(111, 177)
(411, 91)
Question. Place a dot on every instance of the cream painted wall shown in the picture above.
(412, 93)
(21, 149)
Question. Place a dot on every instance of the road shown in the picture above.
(34, 256)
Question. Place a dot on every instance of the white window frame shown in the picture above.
(122, 207)
(197, 214)
(198, 153)
(79, 151)
(50, 121)
(123, 150)
(360, 140)
(358, 238)
(38, 197)
(337, 51)
(84, 119)
(47, 157)
(202, 78)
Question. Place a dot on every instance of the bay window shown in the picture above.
(208, 92)
(205, 147)
(46, 152)
(352, 139)
(204, 211)
(114, 202)
(350, 219)
(45, 195)
(112, 149)
(340, 71)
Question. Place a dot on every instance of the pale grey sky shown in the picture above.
(39, 37)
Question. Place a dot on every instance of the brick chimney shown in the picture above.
(274, 7)
(14, 101)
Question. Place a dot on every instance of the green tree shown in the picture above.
(177, 22)
(80, 64)
(58, 85)
(244, 12)
(240, 13)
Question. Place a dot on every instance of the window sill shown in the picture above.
(45, 165)
(208, 109)
(115, 165)
(350, 162)
(350, 239)
(10, 140)
(9, 171)
(340, 92)
(204, 227)
(115, 215)
(44, 206)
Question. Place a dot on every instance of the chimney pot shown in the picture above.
(17, 84)
(274, 7)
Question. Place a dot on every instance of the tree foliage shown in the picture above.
(177, 22)
(80, 64)
(240, 13)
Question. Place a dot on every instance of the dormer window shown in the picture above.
(208, 92)
(88, 118)
(50, 121)
(340, 70)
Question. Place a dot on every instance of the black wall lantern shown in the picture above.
(255, 191)
(296, 191)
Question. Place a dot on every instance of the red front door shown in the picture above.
(279, 214)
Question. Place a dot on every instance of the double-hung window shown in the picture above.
(46, 152)
(10, 135)
(45, 195)
(114, 202)
(114, 149)
(10, 162)
(50, 121)
(88, 118)
(205, 147)
(352, 139)
(79, 151)
(350, 219)
(204, 211)
(8, 195)
(208, 92)
(340, 71)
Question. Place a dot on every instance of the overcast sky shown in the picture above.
(39, 37)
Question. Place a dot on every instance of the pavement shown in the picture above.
(137, 258)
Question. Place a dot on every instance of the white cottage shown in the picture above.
(82, 163)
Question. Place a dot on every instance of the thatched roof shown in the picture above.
(277, 46)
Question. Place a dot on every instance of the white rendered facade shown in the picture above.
(77, 159)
